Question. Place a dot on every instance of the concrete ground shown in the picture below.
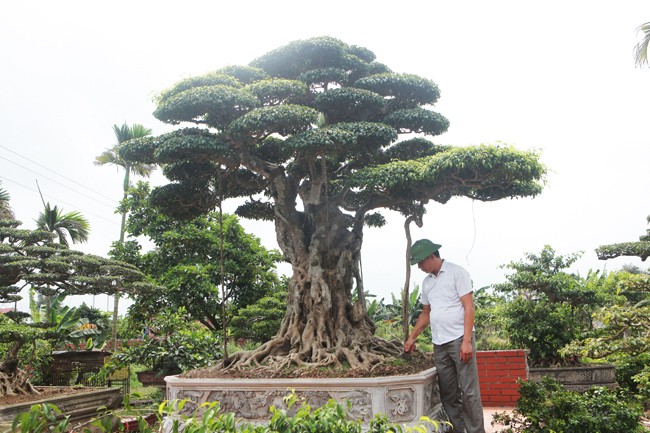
(487, 417)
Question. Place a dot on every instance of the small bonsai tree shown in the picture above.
(623, 337)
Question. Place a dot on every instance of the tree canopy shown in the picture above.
(186, 263)
(640, 248)
(318, 136)
(30, 258)
(641, 48)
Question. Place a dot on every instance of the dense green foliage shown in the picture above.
(640, 248)
(170, 343)
(623, 334)
(260, 321)
(309, 134)
(300, 417)
(547, 407)
(548, 307)
(490, 320)
(29, 259)
(637, 249)
(623, 337)
(187, 261)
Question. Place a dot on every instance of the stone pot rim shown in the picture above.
(343, 382)
(577, 367)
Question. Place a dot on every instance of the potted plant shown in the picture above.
(170, 345)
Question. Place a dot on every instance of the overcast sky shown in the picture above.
(556, 76)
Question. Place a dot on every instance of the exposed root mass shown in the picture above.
(274, 359)
(16, 384)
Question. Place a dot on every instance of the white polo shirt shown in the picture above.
(443, 294)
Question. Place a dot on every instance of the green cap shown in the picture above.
(422, 249)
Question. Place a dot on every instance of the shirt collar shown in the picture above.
(442, 269)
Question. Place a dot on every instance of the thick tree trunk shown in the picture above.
(322, 325)
(13, 380)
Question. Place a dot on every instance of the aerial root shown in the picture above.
(255, 358)
(16, 384)
(278, 354)
(387, 348)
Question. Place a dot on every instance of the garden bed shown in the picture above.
(78, 403)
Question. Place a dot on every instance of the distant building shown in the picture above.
(6, 310)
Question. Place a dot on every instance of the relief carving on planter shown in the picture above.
(428, 397)
(431, 396)
(255, 404)
(400, 404)
(194, 400)
(361, 403)
(245, 404)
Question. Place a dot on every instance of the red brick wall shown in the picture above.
(498, 371)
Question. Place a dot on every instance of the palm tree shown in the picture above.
(111, 156)
(72, 224)
(7, 276)
(641, 49)
(63, 225)
(5, 209)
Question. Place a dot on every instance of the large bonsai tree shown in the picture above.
(310, 134)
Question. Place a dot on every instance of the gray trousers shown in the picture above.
(459, 388)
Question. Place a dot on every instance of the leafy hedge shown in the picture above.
(330, 418)
(547, 407)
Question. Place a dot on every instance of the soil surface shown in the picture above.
(45, 393)
(408, 364)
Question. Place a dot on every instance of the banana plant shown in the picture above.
(67, 326)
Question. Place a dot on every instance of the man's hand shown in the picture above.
(409, 346)
(466, 351)
(423, 322)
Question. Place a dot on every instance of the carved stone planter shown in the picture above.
(78, 406)
(578, 378)
(404, 399)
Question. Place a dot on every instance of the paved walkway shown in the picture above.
(487, 417)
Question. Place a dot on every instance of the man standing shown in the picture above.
(448, 306)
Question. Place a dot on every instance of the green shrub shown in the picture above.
(330, 418)
(490, 321)
(40, 418)
(627, 367)
(547, 306)
(173, 344)
(546, 407)
(542, 327)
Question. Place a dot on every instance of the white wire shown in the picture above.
(471, 248)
